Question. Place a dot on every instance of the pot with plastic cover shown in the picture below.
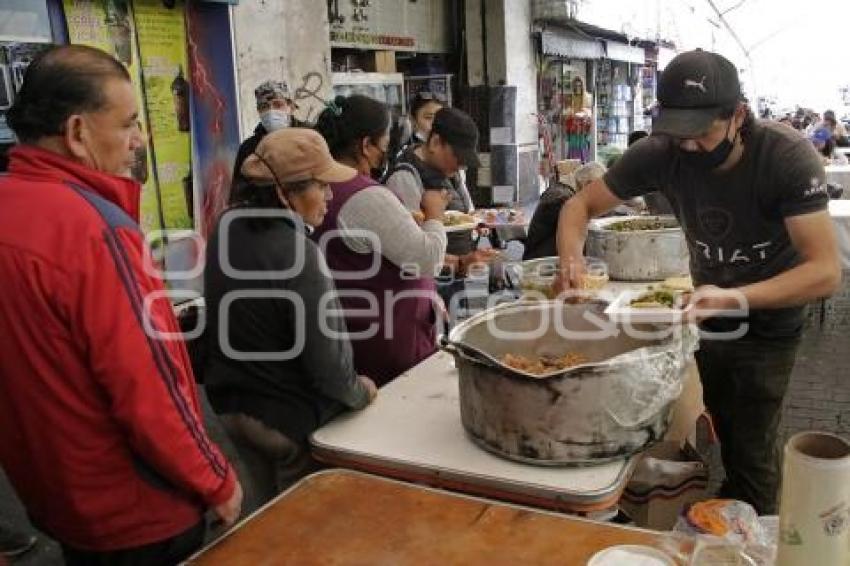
(614, 403)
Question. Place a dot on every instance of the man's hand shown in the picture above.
(369, 385)
(708, 301)
(434, 203)
(595, 199)
(569, 276)
(229, 511)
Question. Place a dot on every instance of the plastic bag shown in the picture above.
(727, 532)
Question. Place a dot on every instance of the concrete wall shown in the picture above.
(474, 43)
(282, 40)
(520, 66)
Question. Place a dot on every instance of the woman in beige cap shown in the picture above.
(278, 366)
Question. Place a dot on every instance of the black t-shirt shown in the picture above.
(734, 221)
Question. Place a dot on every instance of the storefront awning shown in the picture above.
(622, 52)
(571, 45)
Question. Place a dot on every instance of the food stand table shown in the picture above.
(344, 517)
(839, 175)
(504, 225)
(839, 211)
(413, 431)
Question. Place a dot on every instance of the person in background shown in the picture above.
(275, 107)
(543, 228)
(451, 145)
(752, 200)
(101, 432)
(835, 128)
(824, 142)
(415, 128)
(423, 110)
(269, 407)
(383, 261)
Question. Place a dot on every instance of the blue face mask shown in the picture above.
(273, 120)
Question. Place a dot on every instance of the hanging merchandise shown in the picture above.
(567, 110)
(578, 131)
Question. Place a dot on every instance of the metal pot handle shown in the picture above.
(446, 345)
(460, 349)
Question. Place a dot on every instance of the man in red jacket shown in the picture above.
(100, 426)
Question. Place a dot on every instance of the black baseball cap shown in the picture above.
(692, 91)
(458, 129)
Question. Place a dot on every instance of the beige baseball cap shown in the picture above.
(294, 154)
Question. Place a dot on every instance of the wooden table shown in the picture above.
(342, 517)
(413, 431)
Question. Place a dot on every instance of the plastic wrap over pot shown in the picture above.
(612, 406)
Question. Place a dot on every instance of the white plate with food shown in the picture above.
(455, 221)
(655, 304)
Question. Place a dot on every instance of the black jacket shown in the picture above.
(245, 149)
(297, 395)
(543, 228)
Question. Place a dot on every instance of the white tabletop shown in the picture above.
(839, 174)
(413, 428)
(839, 210)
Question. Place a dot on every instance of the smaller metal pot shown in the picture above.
(640, 255)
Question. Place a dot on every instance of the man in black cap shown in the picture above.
(751, 198)
(436, 164)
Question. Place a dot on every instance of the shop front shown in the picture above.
(180, 60)
(392, 52)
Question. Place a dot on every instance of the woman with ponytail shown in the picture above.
(383, 261)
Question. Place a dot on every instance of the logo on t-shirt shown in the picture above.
(725, 255)
(816, 188)
(716, 222)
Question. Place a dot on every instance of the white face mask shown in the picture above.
(273, 120)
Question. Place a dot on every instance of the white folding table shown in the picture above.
(413, 431)
(839, 210)
(839, 175)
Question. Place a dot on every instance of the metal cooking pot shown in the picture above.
(640, 255)
(610, 407)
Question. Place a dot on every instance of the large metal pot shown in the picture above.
(616, 404)
(641, 255)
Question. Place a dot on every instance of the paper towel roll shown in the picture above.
(814, 517)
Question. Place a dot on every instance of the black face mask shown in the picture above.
(708, 160)
(380, 170)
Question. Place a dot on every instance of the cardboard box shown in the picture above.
(385, 62)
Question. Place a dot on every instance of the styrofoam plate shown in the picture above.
(620, 310)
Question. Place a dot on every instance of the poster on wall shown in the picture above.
(108, 25)
(14, 60)
(215, 112)
(161, 35)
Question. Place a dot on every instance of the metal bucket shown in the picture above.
(613, 406)
(641, 255)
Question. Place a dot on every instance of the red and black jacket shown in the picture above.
(100, 424)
